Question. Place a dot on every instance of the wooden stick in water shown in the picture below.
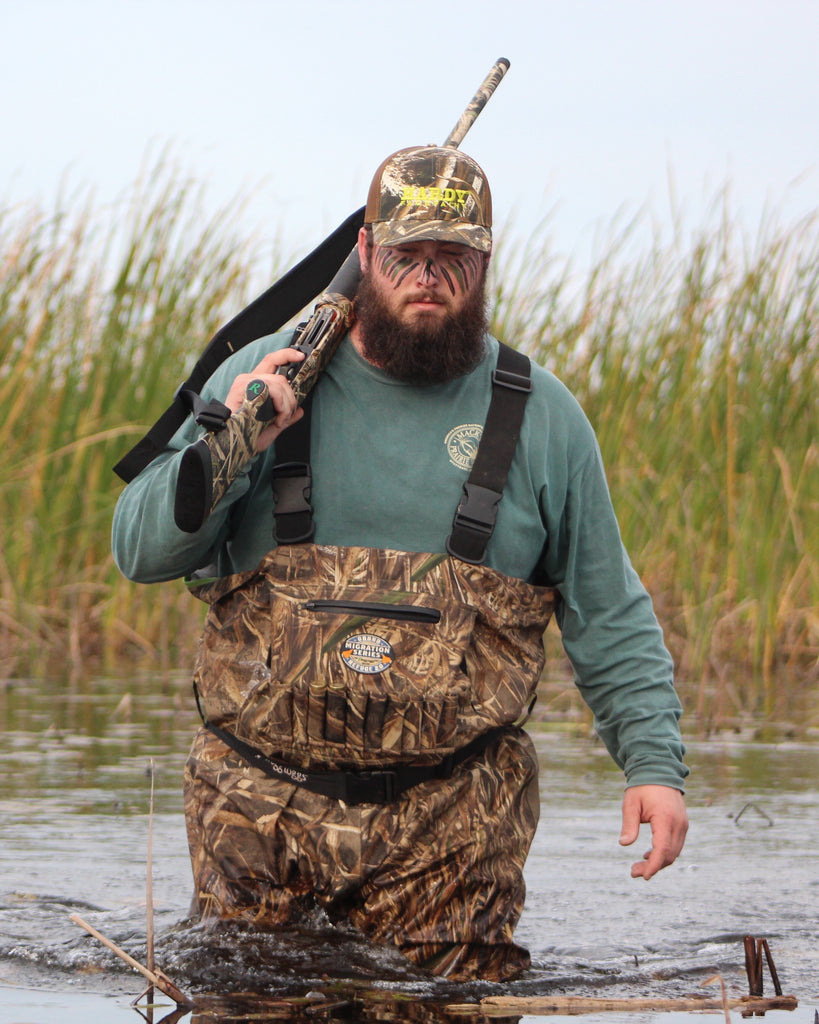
(501, 1006)
(156, 977)
(149, 884)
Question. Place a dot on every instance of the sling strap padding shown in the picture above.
(265, 315)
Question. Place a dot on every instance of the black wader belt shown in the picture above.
(380, 786)
(477, 511)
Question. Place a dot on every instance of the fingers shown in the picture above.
(631, 824)
(654, 860)
(663, 808)
(281, 394)
(281, 357)
(269, 434)
(667, 843)
(286, 410)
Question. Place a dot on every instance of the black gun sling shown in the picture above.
(265, 315)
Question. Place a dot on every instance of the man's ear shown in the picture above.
(364, 248)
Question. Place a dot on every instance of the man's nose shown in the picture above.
(429, 272)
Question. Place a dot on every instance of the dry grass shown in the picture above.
(697, 363)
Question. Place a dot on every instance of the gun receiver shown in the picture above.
(319, 337)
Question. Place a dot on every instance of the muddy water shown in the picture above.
(75, 768)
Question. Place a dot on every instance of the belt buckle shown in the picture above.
(388, 778)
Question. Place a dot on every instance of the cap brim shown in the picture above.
(401, 231)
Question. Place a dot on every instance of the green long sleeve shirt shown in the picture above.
(389, 461)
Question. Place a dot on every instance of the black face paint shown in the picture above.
(458, 270)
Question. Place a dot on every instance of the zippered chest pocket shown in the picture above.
(376, 609)
(374, 672)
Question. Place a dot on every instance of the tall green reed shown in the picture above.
(698, 365)
(99, 319)
(695, 359)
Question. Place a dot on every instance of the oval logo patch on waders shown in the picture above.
(367, 653)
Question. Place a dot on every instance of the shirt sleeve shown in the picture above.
(611, 634)
(147, 545)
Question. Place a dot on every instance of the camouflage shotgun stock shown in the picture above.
(206, 474)
(210, 466)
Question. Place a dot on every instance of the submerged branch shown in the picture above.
(503, 1006)
(156, 976)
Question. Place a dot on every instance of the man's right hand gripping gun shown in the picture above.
(210, 465)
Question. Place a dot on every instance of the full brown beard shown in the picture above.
(421, 353)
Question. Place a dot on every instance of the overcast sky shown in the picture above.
(609, 105)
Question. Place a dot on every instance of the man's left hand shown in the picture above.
(663, 808)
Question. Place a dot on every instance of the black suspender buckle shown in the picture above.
(473, 523)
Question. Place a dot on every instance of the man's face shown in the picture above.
(422, 282)
(421, 310)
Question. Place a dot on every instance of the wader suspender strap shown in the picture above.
(381, 786)
(477, 511)
(478, 508)
(265, 315)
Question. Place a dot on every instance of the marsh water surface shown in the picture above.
(75, 766)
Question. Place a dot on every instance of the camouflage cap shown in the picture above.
(429, 192)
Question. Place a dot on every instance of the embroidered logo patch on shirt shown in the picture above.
(367, 653)
(462, 444)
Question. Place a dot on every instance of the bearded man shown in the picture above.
(364, 679)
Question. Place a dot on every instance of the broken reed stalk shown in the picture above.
(149, 885)
(156, 977)
(503, 1006)
(718, 978)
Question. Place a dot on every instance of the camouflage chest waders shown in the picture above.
(329, 665)
(354, 658)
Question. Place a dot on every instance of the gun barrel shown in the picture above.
(478, 102)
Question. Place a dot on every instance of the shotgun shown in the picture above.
(210, 465)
